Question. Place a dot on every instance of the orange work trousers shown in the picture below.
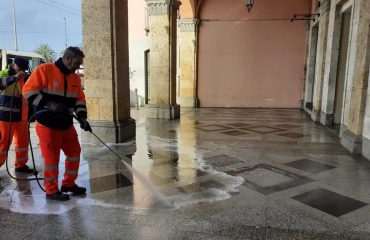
(19, 131)
(51, 142)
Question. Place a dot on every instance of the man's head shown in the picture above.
(73, 58)
(20, 64)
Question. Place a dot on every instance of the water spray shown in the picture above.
(161, 197)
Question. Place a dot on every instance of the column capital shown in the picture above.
(187, 25)
(325, 6)
(161, 7)
(158, 1)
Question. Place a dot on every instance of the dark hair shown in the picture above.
(72, 52)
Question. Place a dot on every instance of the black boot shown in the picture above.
(76, 190)
(24, 169)
(58, 196)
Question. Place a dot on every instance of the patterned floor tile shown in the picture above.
(263, 129)
(268, 179)
(222, 160)
(309, 166)
(235, 133)
(329, 202)
(291, 135)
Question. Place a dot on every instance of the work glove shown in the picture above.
(84, 124)
(57, 107)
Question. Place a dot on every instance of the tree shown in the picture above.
(46, 52)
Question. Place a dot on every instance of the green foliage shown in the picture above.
(48, 54)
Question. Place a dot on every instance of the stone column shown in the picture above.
(162, 82)
(187, 61)
(320, 62)
(357, 81)
(331, 64)
(106, 69)
(366, 131)
(310, 66)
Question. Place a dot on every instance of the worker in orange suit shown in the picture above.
(14, 114)
(57, 88)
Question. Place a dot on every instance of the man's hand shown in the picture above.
(84, 124)
(20, 75)
(57, 107)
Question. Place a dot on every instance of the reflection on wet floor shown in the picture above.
(224, 171)
(107, 183)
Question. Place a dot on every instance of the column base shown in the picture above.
(111, 132)
(308, 105)
(326, 119)
(191, 102)
(351, 142)
(301, 104)
(315, 115)
(366, 148)
(162, 111)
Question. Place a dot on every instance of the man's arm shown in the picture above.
(81, 110)
(32, 89)
(6, 80)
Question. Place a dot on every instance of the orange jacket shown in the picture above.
(53, 82)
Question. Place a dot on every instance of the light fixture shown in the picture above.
(249, 4)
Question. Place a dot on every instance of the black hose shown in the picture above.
(35, 172)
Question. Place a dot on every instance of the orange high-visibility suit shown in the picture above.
(13, 118)
(52, 82)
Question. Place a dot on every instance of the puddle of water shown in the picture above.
(18, 202)
(163, 150)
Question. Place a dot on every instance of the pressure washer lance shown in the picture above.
(115, 154)
(164, 199)
(110, 149)
(35, 172)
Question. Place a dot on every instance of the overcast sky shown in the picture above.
(40, 21)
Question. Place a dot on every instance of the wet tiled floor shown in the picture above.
(220, 173)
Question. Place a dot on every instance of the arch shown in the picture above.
(188, 9)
